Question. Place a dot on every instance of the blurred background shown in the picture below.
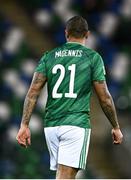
(27, 30)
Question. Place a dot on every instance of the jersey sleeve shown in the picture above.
(41, 67)
(98, 68)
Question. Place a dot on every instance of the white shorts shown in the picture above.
(68, 145)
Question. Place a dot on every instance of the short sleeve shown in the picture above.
(98, 69)
(41, 67)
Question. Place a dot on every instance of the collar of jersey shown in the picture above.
(71, 42)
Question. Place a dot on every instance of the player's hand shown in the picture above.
(117, 136)
(24, 136)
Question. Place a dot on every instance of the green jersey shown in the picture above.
(70, 71)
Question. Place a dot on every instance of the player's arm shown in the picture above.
(108, 108)
(37, 84)
(38, 81)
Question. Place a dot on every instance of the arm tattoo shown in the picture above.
(31, 98)
(109, 110)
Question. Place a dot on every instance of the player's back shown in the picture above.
(69, 78)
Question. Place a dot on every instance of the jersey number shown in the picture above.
(71, 93)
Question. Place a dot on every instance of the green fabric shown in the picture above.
(70, 71)
(83, 156)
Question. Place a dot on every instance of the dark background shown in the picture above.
(27, 30)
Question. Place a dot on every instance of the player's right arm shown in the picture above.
(108, 108)
(38, 81)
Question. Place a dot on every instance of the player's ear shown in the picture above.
(87, 34)
(66, 34)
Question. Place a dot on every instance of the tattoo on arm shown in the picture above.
(31, 98)
(107, 103)
(110, 112)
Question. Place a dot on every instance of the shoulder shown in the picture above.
(44, 55)
(92, 55)
(48, 54)
(90, 52)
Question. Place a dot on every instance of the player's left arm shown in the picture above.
(38, 82)
(108, 108)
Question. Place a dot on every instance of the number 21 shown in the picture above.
(70, 94)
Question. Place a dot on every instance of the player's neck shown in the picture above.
(80, 41)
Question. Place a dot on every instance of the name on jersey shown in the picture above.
(64, 53)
